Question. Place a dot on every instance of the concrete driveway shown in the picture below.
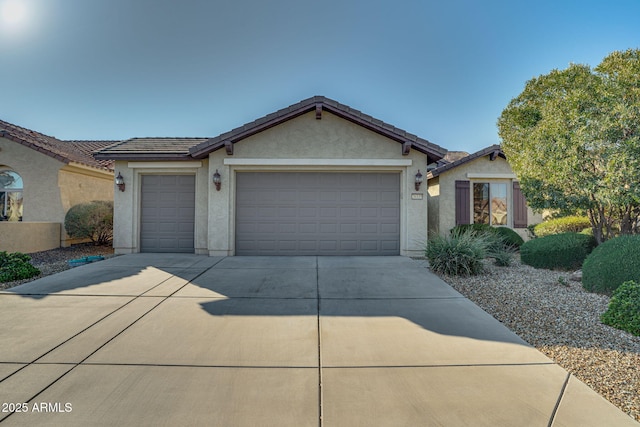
(151, 339)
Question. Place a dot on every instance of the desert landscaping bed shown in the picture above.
(57, 260)
(558, 317)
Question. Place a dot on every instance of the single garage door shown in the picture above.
(167, 213)
(306, 213)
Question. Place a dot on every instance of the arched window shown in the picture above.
(10, 196)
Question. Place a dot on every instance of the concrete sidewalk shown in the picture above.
(151, 339)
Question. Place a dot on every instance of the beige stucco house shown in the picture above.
(316, 178)
(477, 188)
(41, 178)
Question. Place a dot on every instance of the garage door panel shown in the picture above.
(348, 228)
(350, 180)
(349, 196)
(389, 196)
(328, 212)
(369, 245)
(167, 213)
(388, 228)
(328, 228)
(288, 211)
(329, 196)
(313, 213)
(307, 196)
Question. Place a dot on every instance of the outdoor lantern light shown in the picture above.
(120, 182)
(216, 180)
(418, 180)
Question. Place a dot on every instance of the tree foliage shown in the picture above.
(573, 138)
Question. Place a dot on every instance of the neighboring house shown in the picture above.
(41, 178)
(478, 188)
(316, 178)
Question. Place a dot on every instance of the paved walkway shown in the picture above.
(253, 341)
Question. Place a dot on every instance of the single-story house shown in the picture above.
(316, 178)
(477, 188)
(41, 178)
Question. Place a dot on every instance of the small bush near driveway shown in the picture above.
(564, 251)
(624, 308)
(509, 238)
(458, 254)
(16, 266)
(611, 264)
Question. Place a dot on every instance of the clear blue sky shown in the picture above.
(444, 70)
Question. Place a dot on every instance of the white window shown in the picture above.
(490, 205)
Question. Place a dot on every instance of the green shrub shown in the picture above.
(559, 251)
(611, 264)
(459, 253)
(92, 221)
(16, 266)
(509, 238)
(624, 308)
(567, 224)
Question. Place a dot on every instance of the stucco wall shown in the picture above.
(29, 237)
(309, 144)
(51, 187)
(478, 170)
(39, 174)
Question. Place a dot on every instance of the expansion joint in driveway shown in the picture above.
(320, 402)
(75, 365)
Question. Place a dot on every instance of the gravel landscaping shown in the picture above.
(545, 308)
(561, 319)
(56, 260)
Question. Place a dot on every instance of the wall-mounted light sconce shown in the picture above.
(418, 180)
(216, 180)
(120, 182)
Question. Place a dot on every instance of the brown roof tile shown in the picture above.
(493, 150)
(150, 149)
(64, 151)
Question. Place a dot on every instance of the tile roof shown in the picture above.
(318, 103)
(493, 150)
(150, 149)
(64, 151)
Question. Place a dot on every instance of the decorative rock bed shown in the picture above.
(562, 320)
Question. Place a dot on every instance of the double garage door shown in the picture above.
(282, 213)
(313, 213)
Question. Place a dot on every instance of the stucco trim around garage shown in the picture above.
(319, 162)
(161, 165)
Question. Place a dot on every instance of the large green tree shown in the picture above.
(573, 139)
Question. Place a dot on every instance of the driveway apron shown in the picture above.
(175, 339)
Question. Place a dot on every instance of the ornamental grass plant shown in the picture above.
(460, 253)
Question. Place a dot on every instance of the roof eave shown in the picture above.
(143, 156)
(477, 155)
(317, 103)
